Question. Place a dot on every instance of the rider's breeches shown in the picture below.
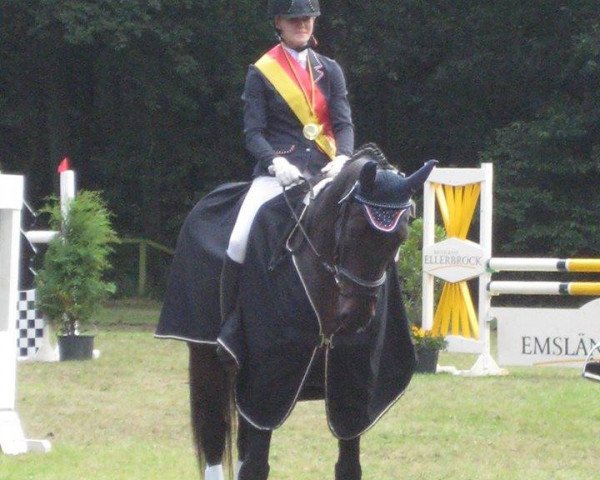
(261, 191)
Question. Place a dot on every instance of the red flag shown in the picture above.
(64, 165)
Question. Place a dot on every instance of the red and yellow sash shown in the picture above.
(299, 91)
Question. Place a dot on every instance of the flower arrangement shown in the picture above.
(425, 339)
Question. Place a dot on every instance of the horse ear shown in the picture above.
(367, 177)
(419, 177)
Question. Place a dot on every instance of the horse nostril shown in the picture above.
(354, 313)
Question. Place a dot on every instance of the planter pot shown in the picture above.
(76, 347)
(427, 360)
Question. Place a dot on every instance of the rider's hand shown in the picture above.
(335, 166)
(286, 173)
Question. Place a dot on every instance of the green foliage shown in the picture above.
(548, 202)
(70, 284)
(548, 162)
(144, 96)
(410, 269)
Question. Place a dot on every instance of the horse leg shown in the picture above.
(209, 408)
(348, 464)
(253, 445)
(242, 435)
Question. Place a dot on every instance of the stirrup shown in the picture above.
(591, 370)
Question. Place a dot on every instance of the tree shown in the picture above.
(548, 201)
(144, 96)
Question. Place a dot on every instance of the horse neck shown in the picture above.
(323, 211)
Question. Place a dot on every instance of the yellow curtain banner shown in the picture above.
(455, 313)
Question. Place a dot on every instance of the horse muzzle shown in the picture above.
(357, 300)
(354, 312)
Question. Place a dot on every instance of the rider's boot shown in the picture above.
(230, 289)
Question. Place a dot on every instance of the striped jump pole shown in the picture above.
(575, 265)
(544, 288)
(516, 264)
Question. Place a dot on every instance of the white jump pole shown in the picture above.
(40, 236)
(12, 438)
(514, 287)
(67, 190)
(517, 264)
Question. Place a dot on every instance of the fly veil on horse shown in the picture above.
(320, 313)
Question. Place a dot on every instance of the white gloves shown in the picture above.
(334, 167)
(286, 173)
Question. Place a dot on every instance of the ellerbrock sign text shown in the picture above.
(454, 260)
(527, 336)
(450, 258)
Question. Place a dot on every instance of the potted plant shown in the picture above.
(70, 285)
(427, 346)
(410, 269)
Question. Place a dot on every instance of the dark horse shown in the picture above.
(351, 346)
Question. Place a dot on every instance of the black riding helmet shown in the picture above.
(294, 8)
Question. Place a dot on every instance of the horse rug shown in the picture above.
(275, 338)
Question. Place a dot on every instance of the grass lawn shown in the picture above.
(125, 416)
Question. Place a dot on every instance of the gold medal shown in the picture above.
(311, 131)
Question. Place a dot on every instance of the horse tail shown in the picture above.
(231, 423)
(212, 408)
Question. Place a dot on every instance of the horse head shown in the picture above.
(369, 203)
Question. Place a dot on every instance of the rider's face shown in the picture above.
(295, 32)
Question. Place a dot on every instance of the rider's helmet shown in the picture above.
(294, 8)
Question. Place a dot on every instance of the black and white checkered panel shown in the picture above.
(30, 325)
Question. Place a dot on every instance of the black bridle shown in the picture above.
(349, 283)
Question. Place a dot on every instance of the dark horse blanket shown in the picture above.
(276, 338)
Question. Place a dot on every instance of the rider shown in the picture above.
(297, 122)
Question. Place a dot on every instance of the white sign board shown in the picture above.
(454, 260)
(530, 336)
